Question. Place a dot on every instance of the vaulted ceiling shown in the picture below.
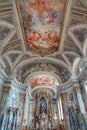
(18, 63)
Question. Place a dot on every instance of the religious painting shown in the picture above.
(71, 96)
(43, 105)
(43, 80)
(41, 22)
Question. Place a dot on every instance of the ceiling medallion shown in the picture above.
(41, 23)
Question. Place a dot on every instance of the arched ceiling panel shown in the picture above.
(69, 46)
(71, 57)
(78, 34)
(75, 68)
(59, 68)
(7, 31)
(41, 24)
(7, 69)
(84, 2)
(58, 56)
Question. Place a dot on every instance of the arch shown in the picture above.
(22, 74)
(72, 35)
(75, 66)
(6, 66)
(65, 57)
(13, 53)
(9, 35)
(84, 2)
(42, 72)
(70, 54)
(85, 48)
(44, 58)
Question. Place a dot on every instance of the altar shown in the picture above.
(44, 111)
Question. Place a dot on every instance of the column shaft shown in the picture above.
(83, 123)
(1, 86)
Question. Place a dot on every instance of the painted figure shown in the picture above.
(44, 18)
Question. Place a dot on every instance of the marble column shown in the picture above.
(4, 101)
(56, 113)
(1, 86)
(1, 89)
(23, 122)
(80, 107)
(84, 92)
(64, 106)
(15, 119)
(25, 117)
(6, 120)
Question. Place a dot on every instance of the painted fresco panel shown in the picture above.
(41, 22)
(43, 80)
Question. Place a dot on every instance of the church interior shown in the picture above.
(43, 64)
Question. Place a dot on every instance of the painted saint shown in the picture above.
(42, 23)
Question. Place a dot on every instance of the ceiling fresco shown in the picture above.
(41, 23)
(43, 80)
